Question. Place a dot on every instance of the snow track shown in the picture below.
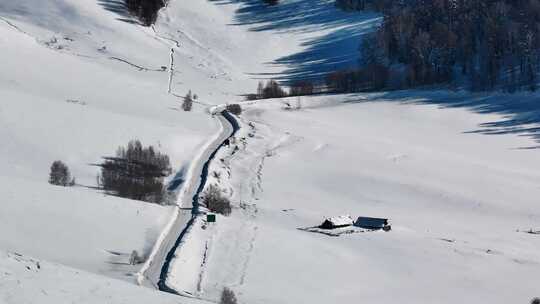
(171, 72)
(141, 68)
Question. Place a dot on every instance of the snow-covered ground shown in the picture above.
(57, 105)
(79, 78)
(460, 205)
(29, 280)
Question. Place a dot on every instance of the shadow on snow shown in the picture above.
(118, 7)
(520, 111)
(336, 49)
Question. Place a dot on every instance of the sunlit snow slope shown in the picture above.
(80, 78)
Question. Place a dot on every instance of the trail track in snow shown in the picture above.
(141, 68)
(171, 72)
(14, 26)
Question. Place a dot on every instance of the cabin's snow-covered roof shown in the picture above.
(340, 220)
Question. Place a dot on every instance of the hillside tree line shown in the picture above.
(485, 44)
(145, 10)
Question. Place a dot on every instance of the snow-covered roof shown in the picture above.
(371, 222)
(341, 220)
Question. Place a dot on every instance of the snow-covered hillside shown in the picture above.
(56, 104)
(80, 78)
(29, 280)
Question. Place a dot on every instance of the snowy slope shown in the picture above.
(80, 78)
(460, 205)
(28, 280)
(57, 105)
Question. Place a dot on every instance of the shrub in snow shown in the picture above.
(252, 97)
(271, 89)
(535, 301)
(60, 175)
(188, 102)
(227, 297)
(135, 258)
(136, 172)
(234, 108)
(214, 200)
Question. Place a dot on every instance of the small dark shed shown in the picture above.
(210, 218)
(372, 223)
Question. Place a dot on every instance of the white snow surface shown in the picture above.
(460, 204)
(28, 280)
(79, 79)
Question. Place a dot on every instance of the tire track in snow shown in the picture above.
(141, 68)
(176, 42)
(171, 71)
(248, 255)
(203, 266)
(171, 61)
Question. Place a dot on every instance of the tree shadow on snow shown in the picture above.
(293, 15)
(337, 49)
(118, 7)
(520, 111)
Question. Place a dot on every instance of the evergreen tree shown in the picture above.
(136, 172)
(145, 10)
(228, 297)
(489, 42)
(60, 175)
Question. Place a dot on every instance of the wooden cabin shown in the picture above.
(337, 222)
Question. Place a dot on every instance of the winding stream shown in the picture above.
(162, 283)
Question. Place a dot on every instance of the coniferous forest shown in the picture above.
(145, 10)
(482, 45)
